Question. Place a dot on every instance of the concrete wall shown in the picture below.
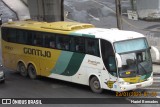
(19, 7)
(147, 4)
(7, 12)
(46, 10)
(148, 9)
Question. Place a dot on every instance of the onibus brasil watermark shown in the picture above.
(21, 101)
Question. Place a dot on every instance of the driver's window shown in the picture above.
(108, 57)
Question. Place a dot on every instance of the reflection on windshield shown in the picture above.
(137, 63)
(131, 45)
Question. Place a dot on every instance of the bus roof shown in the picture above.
(111, 35)
(56, 27)
(80, 29)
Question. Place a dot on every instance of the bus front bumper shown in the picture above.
(128, 87)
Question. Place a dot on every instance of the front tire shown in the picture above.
(22, 69)
(95, 85)
(32, 72)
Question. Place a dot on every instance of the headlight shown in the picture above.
(1, 73)
(122, 88)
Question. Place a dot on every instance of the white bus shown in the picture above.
(76, 52)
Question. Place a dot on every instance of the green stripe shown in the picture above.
(74, 64)
(62, 62)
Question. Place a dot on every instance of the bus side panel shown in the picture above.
(13, 53)
(47, 64)
(43, 59)
(91, 66)
(67, 65)
(8, 55)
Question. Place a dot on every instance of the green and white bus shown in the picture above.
(80, 53)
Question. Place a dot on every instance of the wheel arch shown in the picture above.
(94, 75)
(21, 61)
(32, 63)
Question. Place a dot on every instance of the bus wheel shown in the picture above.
(22, 69)
(95, 85)
(32, 72)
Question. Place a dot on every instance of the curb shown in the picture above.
(156, 63)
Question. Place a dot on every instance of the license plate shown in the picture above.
(138, 86)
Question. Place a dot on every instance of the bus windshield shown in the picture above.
(136, 58)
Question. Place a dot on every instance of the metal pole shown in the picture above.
(0, 19)
(132, 4)
(118, 14)
(62, 10)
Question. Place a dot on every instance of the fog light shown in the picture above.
(122, 88)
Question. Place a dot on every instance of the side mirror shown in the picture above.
(119, 60)
(156, 51)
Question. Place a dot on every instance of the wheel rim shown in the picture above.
(22, 69)
(96, 85)
(32, 72)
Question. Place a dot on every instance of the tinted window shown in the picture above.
(21, 36)
(12, 35)
(50, 40)
(78, 44)
(38, 39)
(29, 37)
(92, 47)
(4, 34)
(108, 57)
(63, 42)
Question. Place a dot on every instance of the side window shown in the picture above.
(4, 34)
(12, 35)
(29, 37)
(62, 42)
(38, 39)
(92, 47)
(79, 44)
(50, 40)
(108, 57)
(21, 36)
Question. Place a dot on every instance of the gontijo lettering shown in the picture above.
(37, 52)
